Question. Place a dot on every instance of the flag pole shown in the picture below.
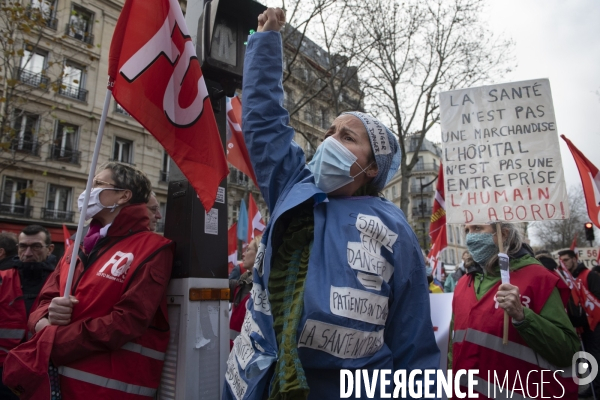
(501, 248)
(86, 198)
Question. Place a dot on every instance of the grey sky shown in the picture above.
(559, 40)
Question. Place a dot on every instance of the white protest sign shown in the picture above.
(586, 255)
(500, 154)
(441, 317)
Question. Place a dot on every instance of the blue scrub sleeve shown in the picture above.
(277, 160)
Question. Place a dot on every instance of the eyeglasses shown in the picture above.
(98, 182)
(153, 209)
(33, 246)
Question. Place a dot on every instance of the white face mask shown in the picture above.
(331, 165)
(94, 204)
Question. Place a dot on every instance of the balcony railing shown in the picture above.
(416, 189)
(25, 146)
(16, 210)
(426, 167)
(59, 153)
(416, 212)
(164, 176)
(57, 215)
(85, 37)
(74, 92)
(51, 21)
(33, 79)
(237, 179)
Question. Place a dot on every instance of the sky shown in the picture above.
(559, 40)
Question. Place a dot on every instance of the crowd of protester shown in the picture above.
(111, 334)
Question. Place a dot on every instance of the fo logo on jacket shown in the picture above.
(119, 263)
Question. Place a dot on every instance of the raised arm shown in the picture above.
(278, 162)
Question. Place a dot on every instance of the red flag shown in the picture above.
(590, 179)
(438, 216)
(67, 236)
(156, 77)
(574, 244)
(237, 153)
(435, 254)
(232, 246)
(26, 366)
(256, 225)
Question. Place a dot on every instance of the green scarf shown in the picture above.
(286, 295)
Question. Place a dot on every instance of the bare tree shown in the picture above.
(322, 65)
(411, 51)
(559, 234)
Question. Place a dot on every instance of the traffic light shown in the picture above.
(223, 30)
(589, 231)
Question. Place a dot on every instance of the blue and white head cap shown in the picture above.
(385, 148)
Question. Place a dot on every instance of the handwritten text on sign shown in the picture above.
(500, 154)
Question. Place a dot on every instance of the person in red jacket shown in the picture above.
(240, 290)
(112, 333)
(24, 271)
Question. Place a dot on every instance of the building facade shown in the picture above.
(62, 74)
(422, 186)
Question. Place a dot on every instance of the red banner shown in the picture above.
(256, 225)
(237, 152)
(590, 179)
(155, 76)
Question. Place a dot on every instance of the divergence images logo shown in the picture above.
(585, 367)
(119, 263)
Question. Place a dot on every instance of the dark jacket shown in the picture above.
(33, 275)
(576, 313)
(8, 263)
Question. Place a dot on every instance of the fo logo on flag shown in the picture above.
(119, 263)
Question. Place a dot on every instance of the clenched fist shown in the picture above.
(273, 19)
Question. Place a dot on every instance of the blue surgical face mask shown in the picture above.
(331, 165)
(481, 246)
(428, 270)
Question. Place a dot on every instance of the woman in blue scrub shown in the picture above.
(339, 281)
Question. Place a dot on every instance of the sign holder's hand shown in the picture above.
(273, 19)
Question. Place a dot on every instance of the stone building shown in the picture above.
(47, 161)
(422, 194)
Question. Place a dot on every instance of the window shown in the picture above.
(14, 198)
(64, 146)
(48, 10)
(58, 204)
(420, 164)
(309, 151)
(123, 151)
(160, 225)
(80, 24)
(25, 127)
(236, 177)
(288, 99)
(73, 81)
(120, 110)
(166, 162)
(458, 235)
(393, 192)
(33, 67)
(324, 119)
(450, 235)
